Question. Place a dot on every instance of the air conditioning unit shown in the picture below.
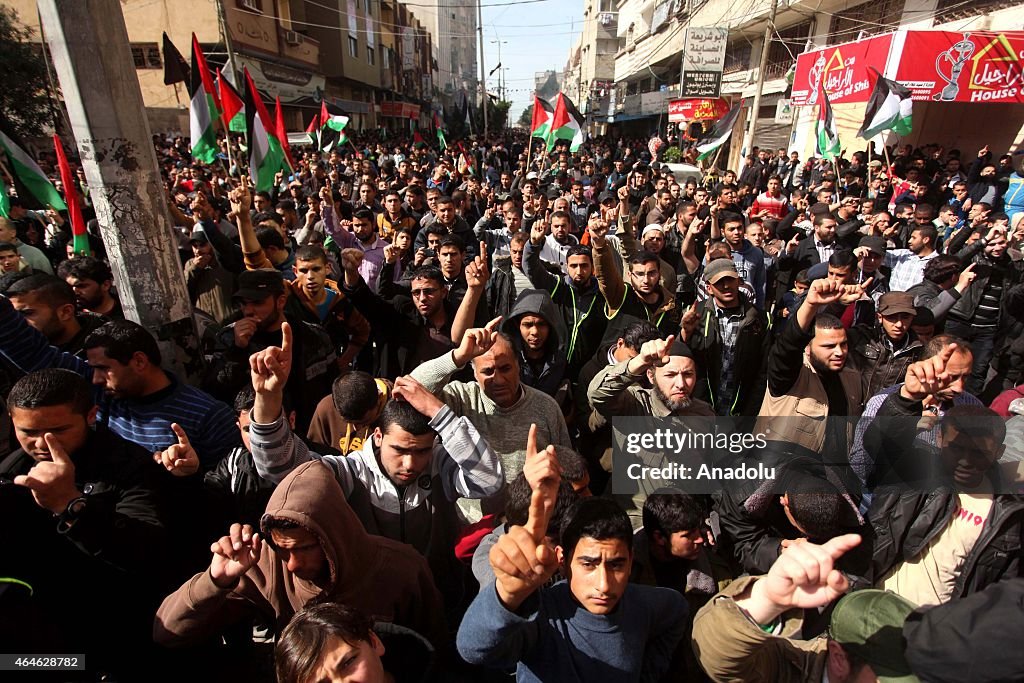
(292, 38)
(251, 5)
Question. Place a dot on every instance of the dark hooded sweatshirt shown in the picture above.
(387, 580)
(547, 373)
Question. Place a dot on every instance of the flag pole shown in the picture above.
(529, 152)
(888, 164)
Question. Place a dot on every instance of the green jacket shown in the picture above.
(730, 647)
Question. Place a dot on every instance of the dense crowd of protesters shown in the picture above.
(396, 462)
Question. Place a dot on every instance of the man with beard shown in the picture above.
(668, 366)
(137, 399)
(92, 281)
(958, 370)
(48, 304)
(808, 377)
(643, 297)
(362, 237)
(262, 298)
(908, 264)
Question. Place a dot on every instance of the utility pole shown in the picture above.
(748, 137)
(88, 41)
(222, 16)
(483, 73)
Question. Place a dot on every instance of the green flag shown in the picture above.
(33, 187)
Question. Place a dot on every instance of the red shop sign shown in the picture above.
(696, 110)
(979, 66)
(842, 70)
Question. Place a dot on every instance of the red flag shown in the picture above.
(416, 137)
(324, 114)
(206, 77)
(282, 134)
(230, 100)
(80, 238)
(313, 127)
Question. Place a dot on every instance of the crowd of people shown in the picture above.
(396, 461)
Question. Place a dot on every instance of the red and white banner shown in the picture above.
(841, 70)
(977, 66)
(940, 66)
(697, 110)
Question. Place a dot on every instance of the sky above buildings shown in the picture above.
(538, 35)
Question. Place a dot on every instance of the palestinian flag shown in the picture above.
(313, 131)
(32, 185)
(543, 114)
(202, 111)
(80, 237)
(888, 109)
(332, 127)
(231, 105)
(719, 133)
(827, 132)
(441, 142)
(176, 69)
(266, 157)
(566, 124)
(282, 134)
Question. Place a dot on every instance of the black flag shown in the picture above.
(176, 69)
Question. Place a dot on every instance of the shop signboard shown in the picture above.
(976, 66)
(697, 110)
(841, 70)
(703, 61)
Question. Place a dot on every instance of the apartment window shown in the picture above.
(785, 45)
(146, 56)
(385, 55)
(366, 6)
(737, 56)
(251, 5)
(353, 47)
(869, 19)
(369, 56)
(607, 6)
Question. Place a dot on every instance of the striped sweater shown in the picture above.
(145, 420)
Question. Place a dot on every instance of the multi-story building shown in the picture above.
(452, 25)
(298, 50)
(547, 84)
(591, 67)
(651, 36)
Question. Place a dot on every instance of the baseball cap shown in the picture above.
(869, 625)
(874, 244)
(719, 268)
(199, 235)
(554, 192)
(891, 303)
(257, 285)
(605, 196)
(532, 175)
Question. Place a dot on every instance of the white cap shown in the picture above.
(651, 228)
(532, 175)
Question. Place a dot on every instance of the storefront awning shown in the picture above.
(940, 66)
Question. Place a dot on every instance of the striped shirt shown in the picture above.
(145, 420)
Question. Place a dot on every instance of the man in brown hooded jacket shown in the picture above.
(320, 552)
